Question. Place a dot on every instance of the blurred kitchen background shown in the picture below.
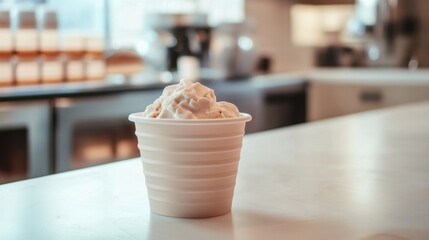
(72, 70)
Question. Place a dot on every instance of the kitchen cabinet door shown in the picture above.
(326, 100)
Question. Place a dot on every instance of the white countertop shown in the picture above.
(344, 178)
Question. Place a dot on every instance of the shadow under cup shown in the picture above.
(190, 165)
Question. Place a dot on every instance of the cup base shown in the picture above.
(190, 211)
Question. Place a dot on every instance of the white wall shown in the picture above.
(272, 35)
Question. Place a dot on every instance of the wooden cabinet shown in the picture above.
(331, 99)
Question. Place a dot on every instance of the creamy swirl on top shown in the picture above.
(188, 100)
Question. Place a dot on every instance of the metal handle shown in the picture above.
(371, 96)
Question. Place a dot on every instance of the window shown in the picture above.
(127, 17)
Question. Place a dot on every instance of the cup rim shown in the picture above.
(137, 118)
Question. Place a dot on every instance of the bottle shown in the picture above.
(73, 51)
(95, 64)
(51, 61)
(6, 49)
(27, 69)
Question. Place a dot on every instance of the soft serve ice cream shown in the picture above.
(188, 100)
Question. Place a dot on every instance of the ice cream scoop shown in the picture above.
(188, 100)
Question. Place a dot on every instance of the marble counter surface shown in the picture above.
(362, 176)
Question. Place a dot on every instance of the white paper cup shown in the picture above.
(190, 166)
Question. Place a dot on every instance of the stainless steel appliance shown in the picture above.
(94, 130)
(233, 53)
(394, 33)
(170, 36)
(24, 140)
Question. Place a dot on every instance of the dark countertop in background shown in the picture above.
(274, 82)
(270, 83)
(72, 89)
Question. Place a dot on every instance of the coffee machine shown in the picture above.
(172, 36)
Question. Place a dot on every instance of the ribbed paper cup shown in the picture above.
(190, 166)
